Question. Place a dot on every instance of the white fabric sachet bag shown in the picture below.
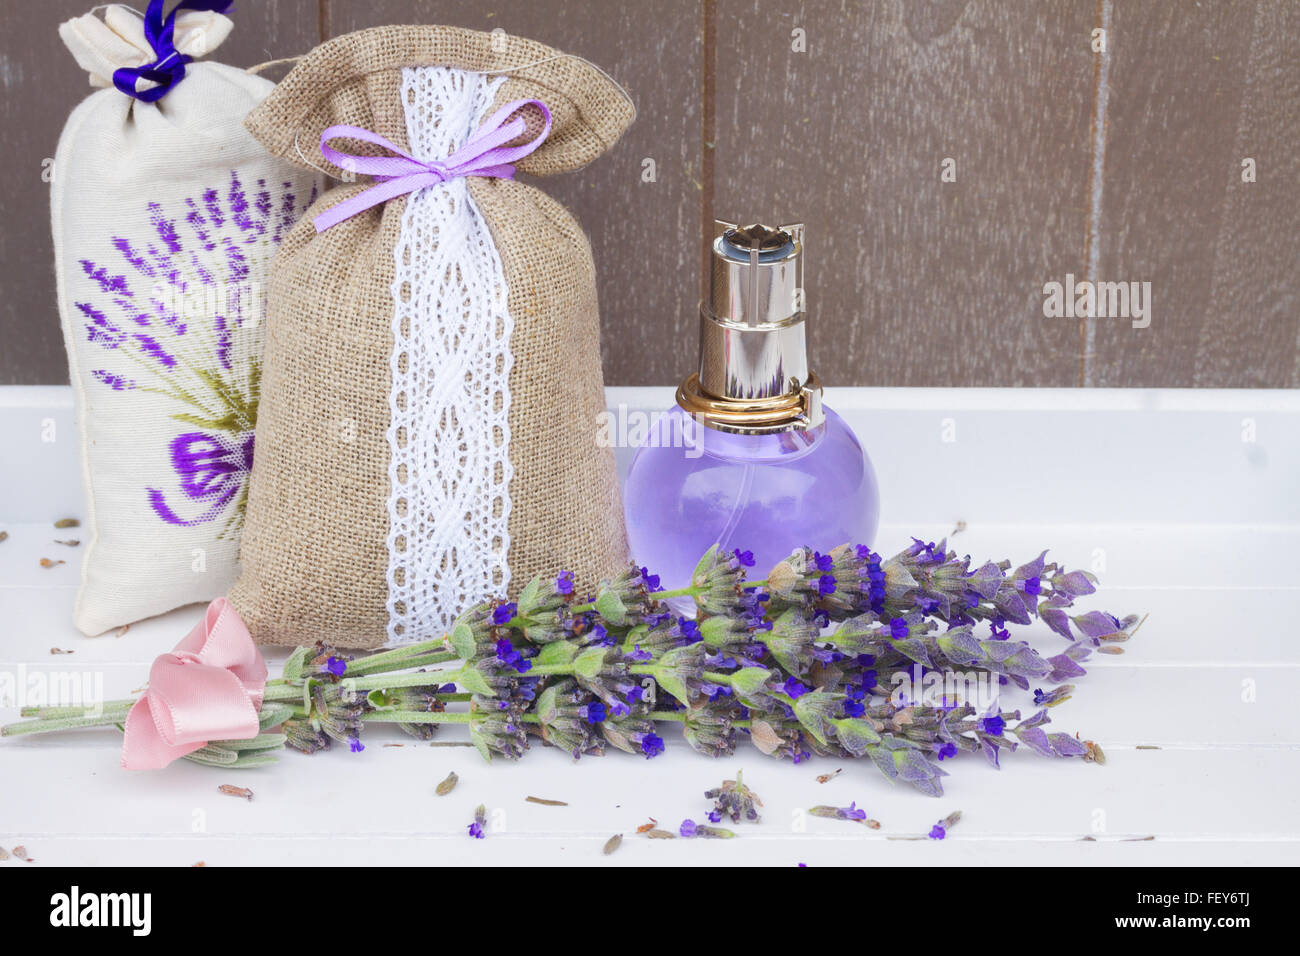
(165, 213)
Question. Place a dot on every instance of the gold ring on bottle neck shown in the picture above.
(796, 409)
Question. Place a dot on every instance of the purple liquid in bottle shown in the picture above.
(691, 486)
(749, 459)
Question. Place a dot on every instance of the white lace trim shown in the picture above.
(449, 436)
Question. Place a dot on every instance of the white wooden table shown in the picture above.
(1186, 504)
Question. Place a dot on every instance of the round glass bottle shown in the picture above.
(749, 458)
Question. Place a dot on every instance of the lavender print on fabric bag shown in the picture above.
(173, 312)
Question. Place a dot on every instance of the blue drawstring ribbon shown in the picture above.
(169, 67)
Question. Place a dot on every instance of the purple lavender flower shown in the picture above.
(356, 746)
(993, 726)
(652, 745)
(564, 583)
(596, 712)
(851, 812)
(794, 688)
(336, 666)
(503, 613)
(947, 751)
(938, 831)
(688, 828)
(651, 581)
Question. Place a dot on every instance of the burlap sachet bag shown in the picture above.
(428, 426)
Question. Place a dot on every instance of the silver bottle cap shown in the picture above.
(753, 349)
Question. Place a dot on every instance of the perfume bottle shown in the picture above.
(749, 458)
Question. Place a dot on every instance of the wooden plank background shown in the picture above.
(1122, 164)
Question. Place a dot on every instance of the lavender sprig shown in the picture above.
(796, 663)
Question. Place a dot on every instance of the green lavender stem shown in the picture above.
(417, 717)
(48, 725)
(108, 706)
(401, 658)
(389, 681)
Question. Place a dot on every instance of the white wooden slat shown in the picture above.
(1207, 796)
(582, 850)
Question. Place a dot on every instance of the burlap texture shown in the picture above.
(314, 554)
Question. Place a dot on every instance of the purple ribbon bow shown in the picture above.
(483, 154)
(169, 68)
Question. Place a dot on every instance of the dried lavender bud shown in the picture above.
(546, 803)
(940, 830)
(733, 799)
(851, 812)
(496, 731)
(302, 736)
(778, 738)
(472, 634)
(476, 829)
(67, 523)
(633, 735)
(791, 641)
(545, 626)
(541, 599)
(231, 790)
(626, 599)
(729, 636)
(570, 719)
(337, 713)
(447, 785)
(690, 829)
(719, 583)
(709, 733)
(612, 844)
(1058, 695)
(418, 731)
(803, 578)
(679, 672)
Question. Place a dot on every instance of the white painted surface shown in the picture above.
(1195, 524)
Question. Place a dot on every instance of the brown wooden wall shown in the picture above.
(1121, 165)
